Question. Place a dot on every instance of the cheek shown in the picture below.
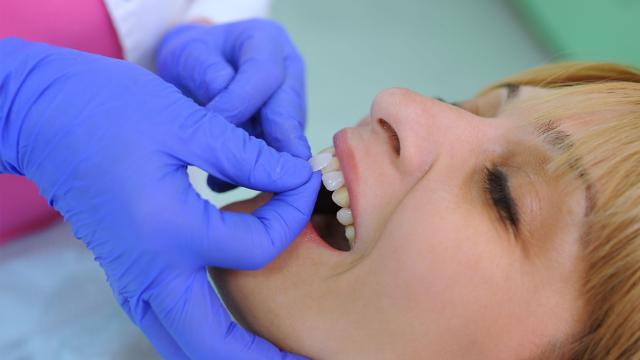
(447, 270)
(439, 257)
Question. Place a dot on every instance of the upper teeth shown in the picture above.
(341, 197)
(333, 180)
(344, 216)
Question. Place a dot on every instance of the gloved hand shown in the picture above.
(238, 70)
(108, 143)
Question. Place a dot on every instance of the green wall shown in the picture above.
(596, 30)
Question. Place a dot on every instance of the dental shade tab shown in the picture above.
(320, 161)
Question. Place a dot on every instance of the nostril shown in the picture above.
(392, 135)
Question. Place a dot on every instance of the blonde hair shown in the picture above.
(609, 96)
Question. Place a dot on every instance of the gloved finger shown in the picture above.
(254, 128)
(284, 115)
(231, 155)
(161, 340)
(203, 74)
(260, 72)
(250, 241)
(193, 67)
(192, 313)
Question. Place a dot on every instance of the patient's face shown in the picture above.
(445, 265)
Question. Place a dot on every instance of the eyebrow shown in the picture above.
(554, 137)
(551, 135)
(560, 140)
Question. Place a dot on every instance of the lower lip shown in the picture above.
(309, 234)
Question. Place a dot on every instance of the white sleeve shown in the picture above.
(220, 11)
(141, 24)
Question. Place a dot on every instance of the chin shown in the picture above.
(280, 301)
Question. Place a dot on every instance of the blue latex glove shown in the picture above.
(108, 143)
(239, 70)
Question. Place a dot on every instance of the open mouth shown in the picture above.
(332, 218)
(326, 224)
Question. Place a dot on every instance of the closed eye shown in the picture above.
(496, 185)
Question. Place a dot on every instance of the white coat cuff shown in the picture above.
(222, 11)
(141, 24)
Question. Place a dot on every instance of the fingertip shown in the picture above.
(284, 216)
(299, 147)
(296, 172)
(261, 236)
(292, 141)
(285, 173)
(217, 78)
(286, 136)
(303, 197)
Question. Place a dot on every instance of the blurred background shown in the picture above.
(55, 302)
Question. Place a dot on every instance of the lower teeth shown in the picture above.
(350, 234)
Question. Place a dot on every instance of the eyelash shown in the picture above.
(496, 185)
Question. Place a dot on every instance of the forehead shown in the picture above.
(540, 107)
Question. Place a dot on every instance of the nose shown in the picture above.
(425, 127)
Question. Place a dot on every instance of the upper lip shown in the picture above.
(348, 166)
